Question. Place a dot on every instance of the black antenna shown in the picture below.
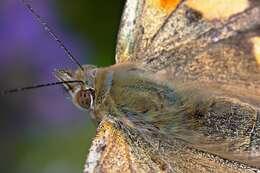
(5, 92)
(52, 34)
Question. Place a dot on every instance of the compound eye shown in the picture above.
(85, 98)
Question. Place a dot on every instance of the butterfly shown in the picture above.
(184, 93)
(206, 117)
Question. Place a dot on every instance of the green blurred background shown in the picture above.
(94, 21)
(41, 131)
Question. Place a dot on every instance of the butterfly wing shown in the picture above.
(140, 21)
(194, 39)
(215, 43)
(118, 148)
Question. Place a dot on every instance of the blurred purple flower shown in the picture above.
(24, 43)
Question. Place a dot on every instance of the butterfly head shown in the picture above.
(82, 93)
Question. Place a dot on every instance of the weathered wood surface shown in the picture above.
(182, 41)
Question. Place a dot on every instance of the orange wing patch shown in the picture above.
(256, 48)
(218, 9)
(169, 5)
